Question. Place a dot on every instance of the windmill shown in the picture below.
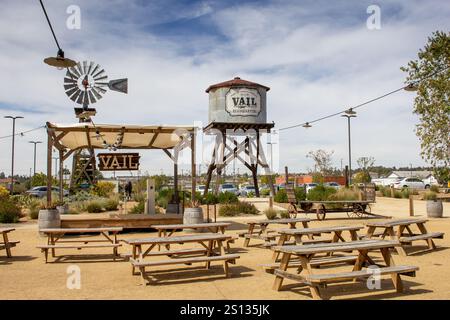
(85, 83)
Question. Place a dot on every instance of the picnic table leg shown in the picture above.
(396, 280)
(6, 241)
(281, 241)
(209, 253)
(249, 233)
(305, 263)
(305, 226)
(353, 235)
(283, 267)
(52, 242)
(393, 236)
(362, 257)
(134, 255)
(423, 230)
(370, 232)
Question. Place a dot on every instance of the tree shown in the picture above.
(432, 103)
(322, 161)
(365, 163)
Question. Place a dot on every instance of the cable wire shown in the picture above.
(50, 25)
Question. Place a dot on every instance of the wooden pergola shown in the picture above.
(69, 138)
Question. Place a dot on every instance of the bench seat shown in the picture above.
(169, 252)
(142, 264)
(426, 236)
(270, 267)
(343, 276)
(46, 247)
(10, 244)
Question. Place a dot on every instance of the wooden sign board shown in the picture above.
(118, 161)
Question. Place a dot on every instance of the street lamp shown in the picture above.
(349, 114)
(12, 160)
(34, 158)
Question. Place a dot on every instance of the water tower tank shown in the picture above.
(237, 101)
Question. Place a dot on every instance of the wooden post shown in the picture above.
(175, 184)
(49, 168)
(61, 177)
(411, 205)
(346, 177)
(215, 215)
(286, 175)
(271, 202)
(193, 167)
(392, 191)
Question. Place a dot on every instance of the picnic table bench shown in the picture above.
(268, 235)
(7, 244)
(388, 226)
(314, 281)
(298, 234)
(206, 252)
(55, 239)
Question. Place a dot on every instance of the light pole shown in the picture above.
(34, 158)
(56, 166)
(349, 114)
(12, 158)
(272, 190)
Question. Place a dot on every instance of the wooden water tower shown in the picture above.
(237, 109)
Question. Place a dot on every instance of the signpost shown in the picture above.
(118, 161)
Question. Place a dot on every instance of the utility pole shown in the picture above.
(34, 157)
(12, 153)
(349, 114)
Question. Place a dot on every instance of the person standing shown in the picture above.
(128, 190)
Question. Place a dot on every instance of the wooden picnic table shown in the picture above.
(7, 244)
(404, 238)
(264, 234)
(306, 253)
(213, 227)
(206, 251)
(297, 234)
(55, 236)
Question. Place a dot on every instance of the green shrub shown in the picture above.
(300, 194)
(81, 196)
(10, 212)
(284, 214)
(281, 196)
(111, 204)
(138, 208)
(430, 195)
(434, 188)
(271, 214)
(94, 207)
(397, 194)
(209, 198)
(161, 202)
(139, 197)
(33, 205)
(250, 194)
(73, 211)
(227, 197)
(320, 193)
(234, 209)
(344, 194)
(264, 192)
(103, 188)
(4, 193)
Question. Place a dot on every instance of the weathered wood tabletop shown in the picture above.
(264, 234)
(306, 253)
(213, 227)
(405, 238)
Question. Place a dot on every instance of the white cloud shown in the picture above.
(317, 58)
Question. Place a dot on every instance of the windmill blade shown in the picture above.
(86, 98)
(98, 73)
(120, 85)
(84, 67)
(72, 73)
(91, 64)
(79, 68)
(101, 78)
(70, 86)
(72, 91)
(75, 95)
(96, 94)
(70, 80)
(95, 69)
(81, 97)
(91, 97)
(102, 84)
(103, 91)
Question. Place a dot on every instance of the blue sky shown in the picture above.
(318, 57)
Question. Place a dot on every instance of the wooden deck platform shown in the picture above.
(127, 221)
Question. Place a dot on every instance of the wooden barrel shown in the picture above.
(434, 209)
(49, 219)
(193, 216)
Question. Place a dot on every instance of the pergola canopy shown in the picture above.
(88, 135)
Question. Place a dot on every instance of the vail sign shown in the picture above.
(118, 161)
(243, 102)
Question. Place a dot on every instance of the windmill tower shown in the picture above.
(85, 84)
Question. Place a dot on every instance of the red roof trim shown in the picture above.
(236, 82)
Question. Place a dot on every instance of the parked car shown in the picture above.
(245, 190)
(201, 188)
(41, 191)
(334, 185)
(310, 186)
(229, 187)
(413, 183)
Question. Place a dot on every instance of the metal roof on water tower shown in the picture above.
(237, 101)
